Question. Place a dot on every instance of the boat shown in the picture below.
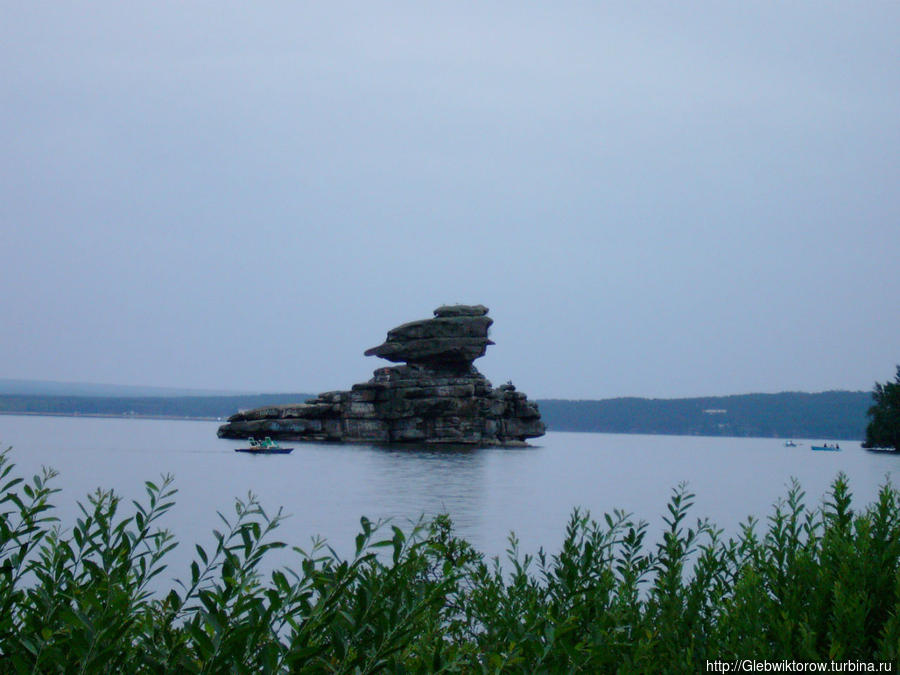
(264, 447)
(831, 448)
(790, 444)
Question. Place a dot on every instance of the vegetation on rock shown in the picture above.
(814, 584)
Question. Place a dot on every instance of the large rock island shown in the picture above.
(436, 396)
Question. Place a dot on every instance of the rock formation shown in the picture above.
(437, 396)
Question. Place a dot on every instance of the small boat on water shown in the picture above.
(790, 444)
(826, 447)
(264, 447)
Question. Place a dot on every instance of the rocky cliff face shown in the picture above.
(438, 396)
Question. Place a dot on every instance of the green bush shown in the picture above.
(812, 584)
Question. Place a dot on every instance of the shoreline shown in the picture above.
(115, 416)
(178, 418)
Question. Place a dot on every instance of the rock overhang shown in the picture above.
(455, 337)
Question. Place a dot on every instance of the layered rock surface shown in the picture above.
(438, 396)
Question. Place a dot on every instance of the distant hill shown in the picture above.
(148, 406)
(834, 415)
(50, 388)
(827, 415)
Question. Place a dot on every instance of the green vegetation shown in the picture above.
(883, 430)
(813, 584)
(833, 415)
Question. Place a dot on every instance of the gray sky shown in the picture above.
(654, 199)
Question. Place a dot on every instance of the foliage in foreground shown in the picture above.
(812, 584)
(883, 430)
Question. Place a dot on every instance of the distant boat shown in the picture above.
(831, 448)
(790, 444)
(264, 447)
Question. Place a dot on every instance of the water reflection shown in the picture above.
(428, 481)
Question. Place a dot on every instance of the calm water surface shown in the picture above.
(488, 492)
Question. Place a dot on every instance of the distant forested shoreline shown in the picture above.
(827, 415)
(191, 407)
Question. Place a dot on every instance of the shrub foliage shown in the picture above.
(810, 583)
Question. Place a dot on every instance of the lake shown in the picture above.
(488, 492)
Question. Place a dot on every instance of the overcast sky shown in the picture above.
(654, 199)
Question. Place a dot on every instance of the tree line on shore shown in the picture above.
(832, 415)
